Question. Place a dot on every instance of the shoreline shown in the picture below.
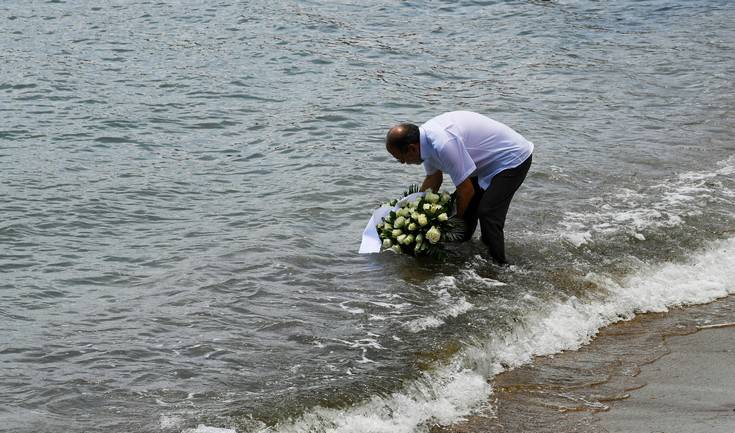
(660, 372)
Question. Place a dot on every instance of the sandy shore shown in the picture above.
(661, 372)
(692, 389)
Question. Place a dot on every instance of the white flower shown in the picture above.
(415, 215)
(408, 240)
(413, 204)
(427, 207)
(412, 227)
(387, 243)
(423, 220)
(418, 247)
(419, 238)
(435, 207)
(400, 239)
(404, 212)
(442, 217)
(396, 248)
(388, 226)
(399, 222)
(433, 235)
(395, 233)
(445, 197)
(432, 198)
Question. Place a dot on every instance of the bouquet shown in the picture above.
(420, 223)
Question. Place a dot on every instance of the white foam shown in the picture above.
(569, 324)
(449, 306)
(660, 206)
(167, 422)
(440, 398)
(423, 323)
(453, 391)
(205, 429)
(351, 310)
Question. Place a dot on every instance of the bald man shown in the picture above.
(486, 160)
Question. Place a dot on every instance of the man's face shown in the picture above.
(412, 155)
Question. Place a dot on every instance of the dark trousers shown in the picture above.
(490, 207)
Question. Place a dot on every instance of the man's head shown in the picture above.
(403, 141)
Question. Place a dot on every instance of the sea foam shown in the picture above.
(454, 390)
(663, 205)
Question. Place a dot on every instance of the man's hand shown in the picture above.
(465, 192)
(433, 181)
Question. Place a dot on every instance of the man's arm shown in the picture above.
(433, 181)
(465, 192)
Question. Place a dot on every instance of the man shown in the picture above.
(486, 160)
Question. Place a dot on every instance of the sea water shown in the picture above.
(184, 186)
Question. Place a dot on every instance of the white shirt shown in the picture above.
(464, 144)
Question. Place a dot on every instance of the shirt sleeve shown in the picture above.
(429, 168)
(455, 160)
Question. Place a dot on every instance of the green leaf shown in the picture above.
(413, 188)
(454, 229)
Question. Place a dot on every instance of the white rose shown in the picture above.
(404, 212)
(400, 239)
(388, 226)
(427, 207)
(399, 222)
(433, 235)
(419, 238)
(445, 197)
(432, 198)
(395, 233)
(387, 243)
(408, 240)
(412, 227)
(396, 248)
(423, 220)
(442, 217)
(436, 207)
(415, 215)
(413, 204)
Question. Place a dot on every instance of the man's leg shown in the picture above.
(470, 214)
(494, 207)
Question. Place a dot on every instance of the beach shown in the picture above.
(662, 372)
(691, 389)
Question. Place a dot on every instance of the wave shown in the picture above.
(457, 389)
(663, 205)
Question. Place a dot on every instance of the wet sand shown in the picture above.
(661, 372)
(692, 389)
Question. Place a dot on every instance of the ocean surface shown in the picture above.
(184, 186)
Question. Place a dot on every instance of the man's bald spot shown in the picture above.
(401, 136)
(395, 134)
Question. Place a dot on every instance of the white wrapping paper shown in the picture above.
(371, 242)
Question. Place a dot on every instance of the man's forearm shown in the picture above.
(433, 181)
(465, 192)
